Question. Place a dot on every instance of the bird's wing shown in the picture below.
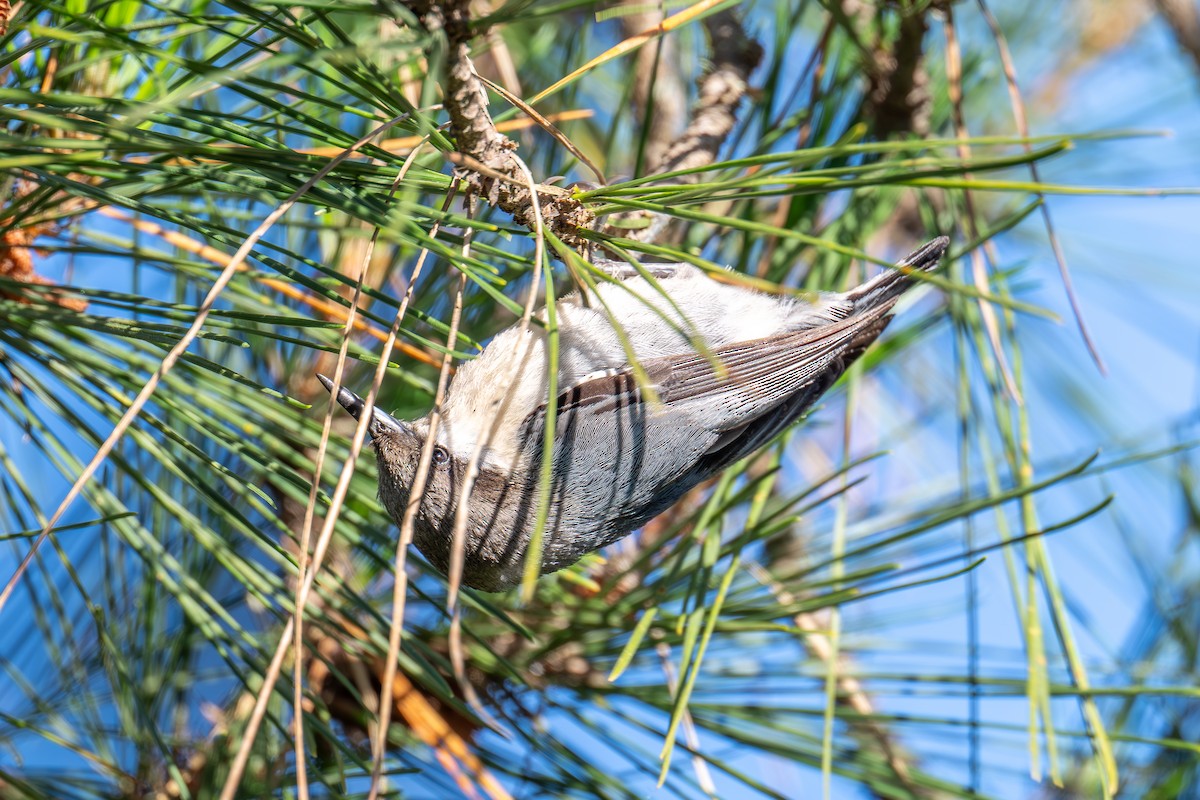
(755, 378)
(758, 376)
(620, 458)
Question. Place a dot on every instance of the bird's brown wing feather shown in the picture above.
(763, 374)
(757, 376)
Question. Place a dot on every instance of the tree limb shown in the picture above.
(734, 56)
(897, 96)
(476, 136)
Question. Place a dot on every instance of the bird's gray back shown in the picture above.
(613, 472)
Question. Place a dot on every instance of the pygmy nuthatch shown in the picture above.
(625, 445)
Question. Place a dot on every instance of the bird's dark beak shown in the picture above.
(381, 421)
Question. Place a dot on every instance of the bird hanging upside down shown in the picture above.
(625, 447)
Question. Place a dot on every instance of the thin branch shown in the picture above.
(897, 97)
(734, 56)
(476, 135)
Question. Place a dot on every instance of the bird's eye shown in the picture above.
(440, 456)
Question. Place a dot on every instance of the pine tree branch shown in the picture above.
(734, 55)
(897, 97)
(476, 135)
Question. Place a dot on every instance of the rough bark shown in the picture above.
(503, 183)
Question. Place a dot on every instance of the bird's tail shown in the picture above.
(885, 288)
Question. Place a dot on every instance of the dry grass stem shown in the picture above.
(238, 765)
(979, 269)
(1018, 108)
(310, 507)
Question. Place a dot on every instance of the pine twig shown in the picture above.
(476, 136)
(899, 98)
(734, 55)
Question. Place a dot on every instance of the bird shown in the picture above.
(665, 377)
